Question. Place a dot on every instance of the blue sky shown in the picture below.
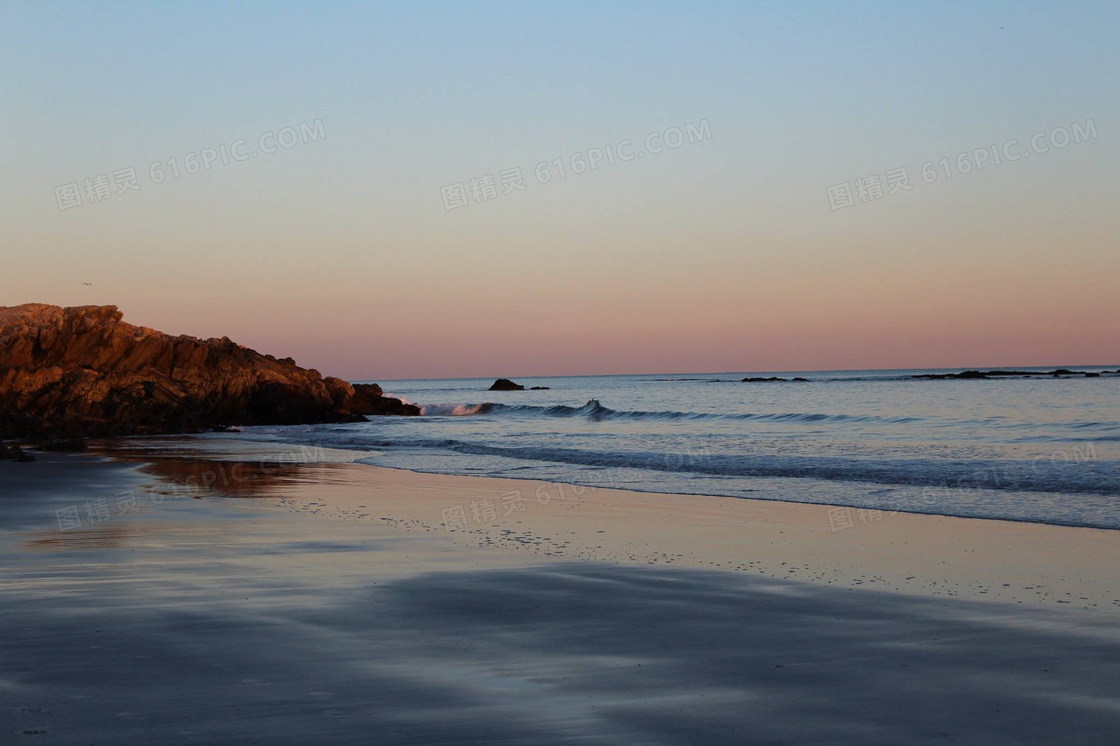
(294, 250)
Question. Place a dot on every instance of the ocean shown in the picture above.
(1026, 449)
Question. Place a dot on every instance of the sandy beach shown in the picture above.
(217, 598)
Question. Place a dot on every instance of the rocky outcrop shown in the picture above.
(83, 371)
(504, 384)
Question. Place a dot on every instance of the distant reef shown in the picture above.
(82, 371)
(772, 379)
(988, 374)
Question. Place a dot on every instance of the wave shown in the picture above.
(1080, 474)
(454, 410)
(594, 410)
(1085, 477)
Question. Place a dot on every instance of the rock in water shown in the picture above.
(984, 375)
(504, 384)
(14, 453)
(66, 445)
(368, 399)
(71, 372)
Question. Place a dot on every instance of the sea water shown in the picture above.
(1034, 449)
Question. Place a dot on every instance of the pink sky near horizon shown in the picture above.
(655, 294)
(831, 322)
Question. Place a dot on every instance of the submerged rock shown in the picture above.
(83, 371)
(65, 445)
(15, 453)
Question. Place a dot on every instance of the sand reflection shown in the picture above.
(97, 536)
(269, 473)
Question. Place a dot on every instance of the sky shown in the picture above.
(404, 190)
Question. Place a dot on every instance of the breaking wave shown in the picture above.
(594, 410)
(1083, 477)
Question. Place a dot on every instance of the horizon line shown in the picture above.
(738, 372)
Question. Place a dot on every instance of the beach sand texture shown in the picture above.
(234, 602)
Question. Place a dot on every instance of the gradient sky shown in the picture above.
(719, 255)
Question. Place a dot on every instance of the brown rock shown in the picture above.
(368, 399)
(68, 372)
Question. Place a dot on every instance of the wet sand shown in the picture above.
(260, 601)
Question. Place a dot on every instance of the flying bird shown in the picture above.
(88, 283)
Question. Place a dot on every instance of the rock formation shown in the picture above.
(504, 384)
(68, 372)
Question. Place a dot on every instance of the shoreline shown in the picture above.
(822, 504)
(354, 456)
(984, 559)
